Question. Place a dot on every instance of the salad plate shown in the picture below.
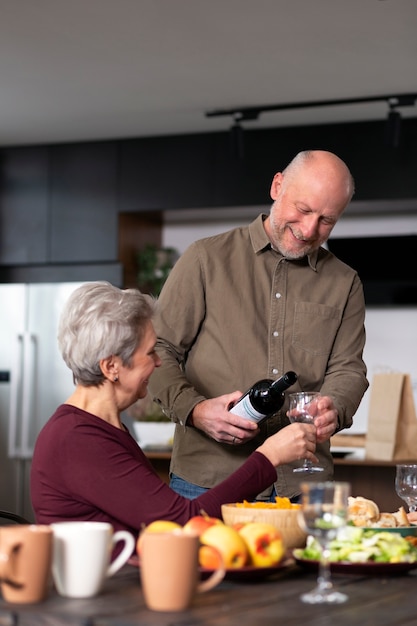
(404, 531)
(370, 568)
(363, 552)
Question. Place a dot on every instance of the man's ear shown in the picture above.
(276, 185)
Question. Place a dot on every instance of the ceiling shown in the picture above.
(104, 69)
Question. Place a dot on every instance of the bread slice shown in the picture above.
(401, 517)
(363, 512)
(387, 520)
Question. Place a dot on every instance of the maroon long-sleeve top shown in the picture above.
(86, 469)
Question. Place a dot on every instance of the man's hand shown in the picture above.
(326, 419)
(214, 418)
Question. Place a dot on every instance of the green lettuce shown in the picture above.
(359, 545)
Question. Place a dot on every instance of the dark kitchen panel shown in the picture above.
(386, 265)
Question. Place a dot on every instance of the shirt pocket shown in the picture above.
(315, 327)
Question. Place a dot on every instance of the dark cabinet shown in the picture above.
(83, 203)
(58, 204)
(23, 206)
(166, 173)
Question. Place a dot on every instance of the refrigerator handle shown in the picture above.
(15, 386)
(28, 399)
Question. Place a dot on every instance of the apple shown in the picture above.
(264, 542)
(199, 523)
(228, 542)
(210, 557)
(157, 526)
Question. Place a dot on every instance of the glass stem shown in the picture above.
(324, 581)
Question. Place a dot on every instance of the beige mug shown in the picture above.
(169, 570)
(25, 562)
(82, 556)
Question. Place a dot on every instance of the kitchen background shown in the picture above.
(105, 146)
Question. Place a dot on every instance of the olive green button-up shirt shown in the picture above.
(234, 311)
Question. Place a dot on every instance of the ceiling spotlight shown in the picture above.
(393, 129)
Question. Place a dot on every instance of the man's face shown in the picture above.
(303, 214)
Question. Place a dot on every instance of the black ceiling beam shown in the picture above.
(253, 112)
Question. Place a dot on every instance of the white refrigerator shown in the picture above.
(34, 380)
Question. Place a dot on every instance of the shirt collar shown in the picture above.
(260, 241)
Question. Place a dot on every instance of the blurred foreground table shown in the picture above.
(379, 601)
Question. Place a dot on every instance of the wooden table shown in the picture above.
(378, 601)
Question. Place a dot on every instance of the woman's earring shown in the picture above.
(116, 379)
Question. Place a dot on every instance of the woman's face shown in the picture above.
(134, 379)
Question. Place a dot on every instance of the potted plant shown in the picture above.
(154, 265)
(153, 429)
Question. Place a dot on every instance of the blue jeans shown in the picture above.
(191, 491)
(184, 488)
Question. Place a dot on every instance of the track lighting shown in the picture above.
(251, 113)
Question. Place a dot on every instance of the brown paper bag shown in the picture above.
(392, 420)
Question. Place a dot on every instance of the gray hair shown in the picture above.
(100, 320)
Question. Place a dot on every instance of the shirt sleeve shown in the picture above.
(345, 379)
(177, 331)
(120, 481)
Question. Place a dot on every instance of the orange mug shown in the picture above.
(169, 570)
(25, 562)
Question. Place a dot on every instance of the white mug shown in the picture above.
(81, 556)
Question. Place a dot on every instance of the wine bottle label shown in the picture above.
(244, 408)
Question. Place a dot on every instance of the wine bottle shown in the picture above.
(264, 398)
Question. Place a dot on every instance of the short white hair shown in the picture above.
(100, 320)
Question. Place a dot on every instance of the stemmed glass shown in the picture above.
(303, 408)
(406, 485)
(323, 512)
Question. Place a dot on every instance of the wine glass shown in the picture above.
(323, 512)
(406, 485)
(303, 408)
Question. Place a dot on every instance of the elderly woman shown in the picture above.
(86, 465)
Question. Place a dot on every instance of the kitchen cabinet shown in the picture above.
(58, 204)
(83, 203)
(23, 206)
(163, 173)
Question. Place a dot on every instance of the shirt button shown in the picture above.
(277, 295)
(275, 333)
(274, 370)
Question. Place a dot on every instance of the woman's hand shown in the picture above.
(293, 443)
